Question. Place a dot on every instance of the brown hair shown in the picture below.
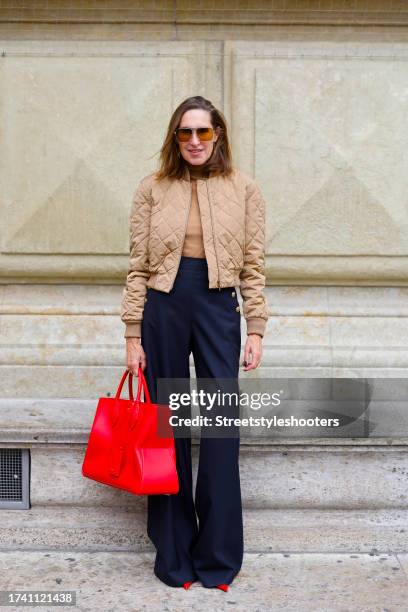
(173, 164)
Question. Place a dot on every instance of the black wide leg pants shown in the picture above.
(194, 318)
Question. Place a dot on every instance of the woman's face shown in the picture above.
(194, 151)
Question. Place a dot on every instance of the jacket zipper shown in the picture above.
(215, 245)
(185, 225)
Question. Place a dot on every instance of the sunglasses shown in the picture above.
(184, 134)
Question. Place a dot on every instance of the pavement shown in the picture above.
(299, 582)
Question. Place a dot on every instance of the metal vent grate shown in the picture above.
(14, 478)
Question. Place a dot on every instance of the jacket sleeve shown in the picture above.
(252, 275)
(133, 297)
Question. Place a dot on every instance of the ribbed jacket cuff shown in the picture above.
(256, 325)
(133, 330)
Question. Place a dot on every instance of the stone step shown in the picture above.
(359, 473)
(281, 477)
(265, 530)
(66, 340)
(91, 381)
(267, 582)
(69, 420)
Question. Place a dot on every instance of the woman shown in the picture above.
(197, 231)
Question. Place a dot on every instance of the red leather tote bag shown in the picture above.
(124, 449)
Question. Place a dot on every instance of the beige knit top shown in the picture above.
(193, 241)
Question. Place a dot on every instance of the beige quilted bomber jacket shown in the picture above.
(233, 223)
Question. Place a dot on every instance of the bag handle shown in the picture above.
(141, 381)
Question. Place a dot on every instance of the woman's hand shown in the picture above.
(252, 352)
(135, 355)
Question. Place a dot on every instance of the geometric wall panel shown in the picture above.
(326, 136)
(81, 123)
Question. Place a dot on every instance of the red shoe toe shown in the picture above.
(187, 585)
(223, 587)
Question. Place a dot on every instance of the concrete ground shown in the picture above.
(124, 581)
